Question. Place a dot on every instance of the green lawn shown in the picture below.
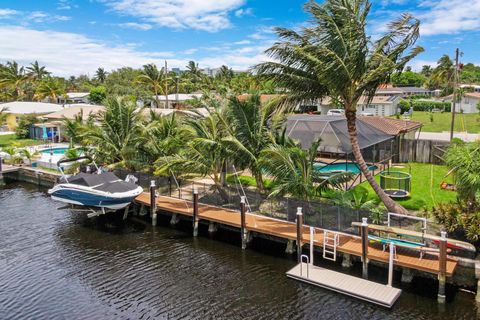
(426, 192)
(11, 140)
(441, 121)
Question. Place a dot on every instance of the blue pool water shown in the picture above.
(351, 167)
(55, 150)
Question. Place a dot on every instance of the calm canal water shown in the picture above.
(55, 264)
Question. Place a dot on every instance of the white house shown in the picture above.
(75, 97)
(379, 105)
(175, 100)
(469, 102)
(402, 92)
(16, 109)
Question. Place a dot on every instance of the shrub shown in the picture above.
(456, 220)
(419, 105)
(98, 94)
(23, 126)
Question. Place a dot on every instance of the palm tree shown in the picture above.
(37, 72)
(224, 73)
(51, 88)
(28, 155)
(444, 73)
(153, 78)
(250, 133)
(204, 154)
(294, 174)
(335, 57)
(426, 70)
(101, 75)
(116, 134)
(194, 74)
(12, 75)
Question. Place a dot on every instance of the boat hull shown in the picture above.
(87, 198)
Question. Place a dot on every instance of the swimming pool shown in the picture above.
(60, 150)
(350, 166)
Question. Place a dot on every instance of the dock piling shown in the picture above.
(312, 232)
(243, 224)
(299, 233)
(2, 182)
(153, 203)
(195, 212)
(365, 248)
(442, 260)
(390, 264)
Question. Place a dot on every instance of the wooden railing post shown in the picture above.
(299, 234)
(364, 234)
(153, 203)
(195, 212)
(243, 223)
(442, 268)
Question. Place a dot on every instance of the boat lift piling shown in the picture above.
(364, 234)
(442, 267)
(2, 182)
(195, 212)
(299, 234)
(243, 224)
(153, 203)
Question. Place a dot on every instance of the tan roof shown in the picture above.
(391, 126)
(263, 97)
(71, 111)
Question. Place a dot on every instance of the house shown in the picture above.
(378, 106)
(402, 92)
(175, 100)
(15, 110)
(75, 97)
(52, 123)
(472, 87)
(469, 102)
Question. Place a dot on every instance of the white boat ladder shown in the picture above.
(330, 243)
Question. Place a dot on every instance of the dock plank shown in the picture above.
(343, 283)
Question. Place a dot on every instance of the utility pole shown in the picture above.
(454, 101)
(166, 85)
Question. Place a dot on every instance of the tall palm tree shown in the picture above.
(294, 173)
(37, 72)
(444, 73)
(153, 78)
(116, 133)
(101, 75)
(51, 88)
(335, 57)
(225, 73)
(12, 75)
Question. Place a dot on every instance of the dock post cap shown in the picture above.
(364, 222)
(299, 211)
(443, 235)
(195, 190)
(152, 183)
(242, 199)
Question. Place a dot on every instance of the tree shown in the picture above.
(155, 79)
(335, 57)
(98, 94)
(224, 73)
(51, 88)
(3, 115)
(12, 75)
(426, 70)
(37, 72)
(294, 173)
(23, 126)
(101, 75)
(408, 78)
(443, 75)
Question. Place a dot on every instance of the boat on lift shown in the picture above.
(94, 188)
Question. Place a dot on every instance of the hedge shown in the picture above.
(419, 105)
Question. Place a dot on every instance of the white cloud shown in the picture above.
(7, 13)
(207, 15)
(449, 16)
(40, 17)
(262, 33)
(135, 25)
(243, 12)
(67, 54)
(417, 64)
(242, 42)
(190, 51)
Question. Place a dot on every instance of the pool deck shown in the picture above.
(348, 244)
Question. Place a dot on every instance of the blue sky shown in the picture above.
(74, 37)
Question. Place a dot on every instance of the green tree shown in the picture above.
(23, 126)
(98, 94)
(13, 76)
(335, 57)
(443, 75)
(101, 75)
(51, 88)
(37, 72)
(408, 78)
(154, 79)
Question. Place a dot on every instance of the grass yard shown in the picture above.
(441, 121)
(426, 192)
(11, 140)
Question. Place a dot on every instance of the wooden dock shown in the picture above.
(8, 168)
(348, 244)
(343, 283)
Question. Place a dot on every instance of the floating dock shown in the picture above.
(373, 292)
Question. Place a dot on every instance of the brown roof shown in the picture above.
(71, 111)
(263, 97)
(391, 126)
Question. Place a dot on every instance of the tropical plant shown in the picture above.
(155, 79)
(3, 115)
(455, 220)
(37, 72)
(27, 154)
(97, 94)
(51, 88)
(443, 75)
(101, 75)
(116, 133)
(356, 198)
(13, 76)
(294, 173)
(335, 57)
(24, 124)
